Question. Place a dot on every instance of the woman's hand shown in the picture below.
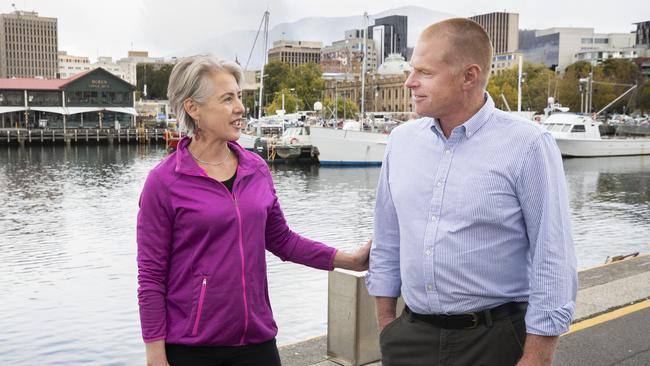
(156, 353)
(356, 261)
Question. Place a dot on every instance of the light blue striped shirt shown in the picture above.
(475, 220)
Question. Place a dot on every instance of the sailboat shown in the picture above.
(350, 145)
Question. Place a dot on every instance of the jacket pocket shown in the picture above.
(199, 306)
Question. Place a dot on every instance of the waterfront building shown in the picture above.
(642, 38)
(92, 99)
(389, 35)
(557, 47)
(503, 30)
(504, 61)
(295, 52)
(346, 55)
(596, 57)
(384, 89)
(28, 45)
(70, 65)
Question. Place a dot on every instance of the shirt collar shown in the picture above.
(475, 122)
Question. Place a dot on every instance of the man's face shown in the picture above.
(436, 86)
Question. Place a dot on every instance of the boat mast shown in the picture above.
(363, 70)
(266, 40)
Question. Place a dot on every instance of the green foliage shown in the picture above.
(305, 80)
(643, 97)
(157, 79)
(346, 108)
(612, 77)
(291, 102)
(538, 83)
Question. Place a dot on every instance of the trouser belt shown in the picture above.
(470, 320)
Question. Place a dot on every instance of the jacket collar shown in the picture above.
(185, 163)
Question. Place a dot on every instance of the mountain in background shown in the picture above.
(325, 29)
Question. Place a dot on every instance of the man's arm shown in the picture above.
(386, 310)
(541, 189)
(383, 280)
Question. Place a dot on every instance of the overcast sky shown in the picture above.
(110, 28)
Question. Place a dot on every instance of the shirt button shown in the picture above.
(434, 218)
(428, 251)
(439, 184)
(429, 287)
(469, 134)
(447, 151)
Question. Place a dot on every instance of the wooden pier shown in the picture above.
(22, 136)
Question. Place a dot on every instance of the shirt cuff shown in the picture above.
(381, 286)
(549, 323)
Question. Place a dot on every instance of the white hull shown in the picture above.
(603, 147)
(345, 147)
(246, 141)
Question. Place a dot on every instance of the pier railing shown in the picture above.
(82, 136)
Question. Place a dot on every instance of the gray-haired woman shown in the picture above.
(207, 214)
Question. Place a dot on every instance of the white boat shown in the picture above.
(348, 147)
(579, 136)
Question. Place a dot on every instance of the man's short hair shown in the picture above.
(468, 43)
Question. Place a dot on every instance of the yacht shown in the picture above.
(579, 136)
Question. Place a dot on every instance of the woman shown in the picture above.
(207, 214)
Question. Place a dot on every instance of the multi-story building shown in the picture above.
(389, 35)
(503, 30)
(28, 45)
(125, 70)
(642, 38)
(70, 65)
(557, 47)
(295, 52)
(346, 55)
(384, 89)
(596, 57)
(504, 61)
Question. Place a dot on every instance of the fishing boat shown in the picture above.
(579, 136)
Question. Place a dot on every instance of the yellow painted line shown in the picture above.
(608, 316)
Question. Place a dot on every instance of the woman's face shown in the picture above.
(220, 116)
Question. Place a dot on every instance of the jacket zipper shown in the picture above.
(243, 268)
(204, 284)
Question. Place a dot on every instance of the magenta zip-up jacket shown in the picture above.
(201, 252)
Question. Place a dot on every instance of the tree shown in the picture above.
(276, 76)
(291, 102)
(344, 108)
(538, 83)
(157, 79)
(643, 97)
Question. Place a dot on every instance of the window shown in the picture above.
(578, 128)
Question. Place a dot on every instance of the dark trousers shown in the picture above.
(249, 355)
(411, 342)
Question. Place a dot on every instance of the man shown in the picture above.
(471, 221)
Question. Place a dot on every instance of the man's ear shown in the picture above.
(472, 76)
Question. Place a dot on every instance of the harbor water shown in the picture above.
(67, 243)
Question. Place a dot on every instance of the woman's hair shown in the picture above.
(190, 79)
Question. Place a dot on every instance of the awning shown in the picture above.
(5, 109)
(125, 110)
(77, 110)
(57, 110)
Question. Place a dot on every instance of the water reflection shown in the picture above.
(67, 243)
